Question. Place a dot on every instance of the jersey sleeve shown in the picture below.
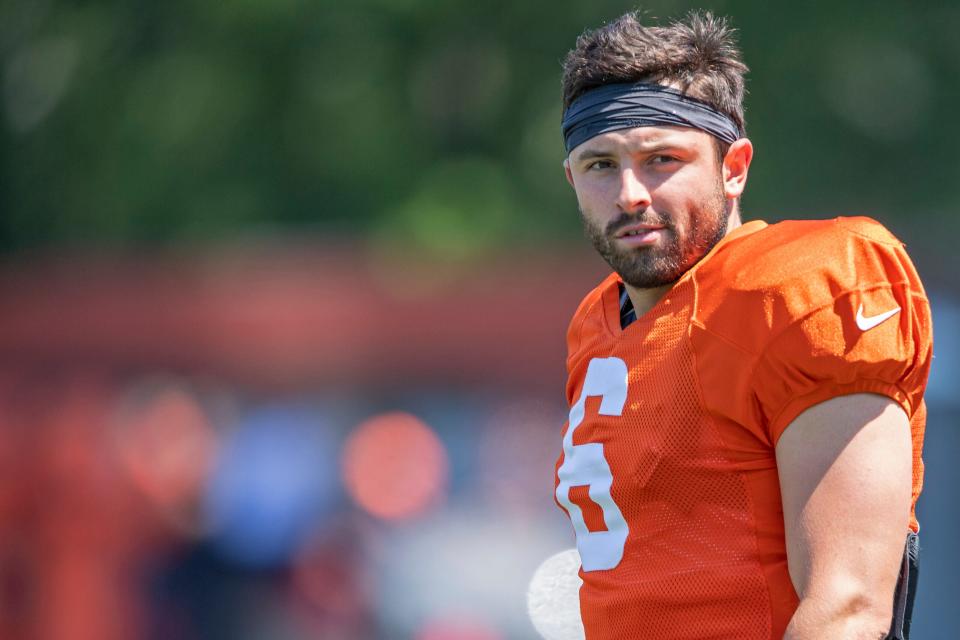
(871, 340)
(804, 311)
(864, 327)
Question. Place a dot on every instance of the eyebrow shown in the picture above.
(589, 154)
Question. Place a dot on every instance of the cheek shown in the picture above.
(588, 190)
(593, 197)
(687, 192)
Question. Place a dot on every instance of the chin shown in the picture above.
(651, 281)
(645, 271)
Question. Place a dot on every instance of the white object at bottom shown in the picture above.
(553, 598)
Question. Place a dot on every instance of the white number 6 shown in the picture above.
(585, 465)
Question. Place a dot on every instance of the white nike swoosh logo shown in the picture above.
(869, 322)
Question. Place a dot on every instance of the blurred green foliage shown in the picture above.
(431, 125)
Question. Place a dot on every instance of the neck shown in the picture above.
(645, 299)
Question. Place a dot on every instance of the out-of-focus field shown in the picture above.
(284, 286)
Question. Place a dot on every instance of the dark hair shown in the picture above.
(697, 55)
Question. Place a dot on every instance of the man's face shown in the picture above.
(652, 200)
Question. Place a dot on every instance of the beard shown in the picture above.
(663, 263)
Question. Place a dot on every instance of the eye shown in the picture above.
(599, 165)
(663, 159)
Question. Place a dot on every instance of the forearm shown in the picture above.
(847, 618)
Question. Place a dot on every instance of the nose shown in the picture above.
(634, 195)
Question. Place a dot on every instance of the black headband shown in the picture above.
(611, 107)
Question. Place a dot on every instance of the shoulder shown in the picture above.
(799, 312)
(786, 255)
(763, 281)
(588, 322)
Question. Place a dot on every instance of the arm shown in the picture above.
(845, 479)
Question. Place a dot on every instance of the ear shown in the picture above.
(736, 164)
(566, 170)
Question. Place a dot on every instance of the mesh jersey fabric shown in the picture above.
(765, 326)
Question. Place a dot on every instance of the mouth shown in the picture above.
(640, 235)
(634, 230)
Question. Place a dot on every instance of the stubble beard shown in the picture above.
(666, 262)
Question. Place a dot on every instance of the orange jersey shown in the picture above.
(668, 470)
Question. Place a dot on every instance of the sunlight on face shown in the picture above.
(651, 199)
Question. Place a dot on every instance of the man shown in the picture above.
(742, 458)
